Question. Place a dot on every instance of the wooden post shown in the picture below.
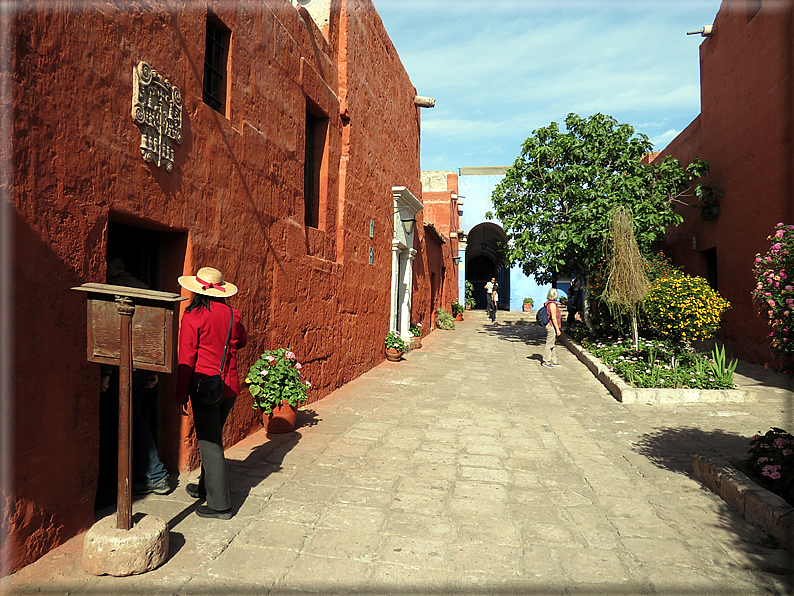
(124, 497)
(110, 341)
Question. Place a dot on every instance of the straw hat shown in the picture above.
(208, 281)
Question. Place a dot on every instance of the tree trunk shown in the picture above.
(586, 305)
(635, 335)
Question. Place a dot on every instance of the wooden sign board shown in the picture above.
(154, 326)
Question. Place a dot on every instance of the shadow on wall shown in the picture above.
(55, 402)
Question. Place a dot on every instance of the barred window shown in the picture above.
(215, 64)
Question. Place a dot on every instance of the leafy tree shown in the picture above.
(555, 199)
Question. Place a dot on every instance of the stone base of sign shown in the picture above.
(633, 395)
(757, 505)
(108, 550)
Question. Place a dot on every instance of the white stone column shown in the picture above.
(395, 284)
(408, 257)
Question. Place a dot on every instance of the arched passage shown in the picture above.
(485, 259)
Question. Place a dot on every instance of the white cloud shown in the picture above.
(498, 73)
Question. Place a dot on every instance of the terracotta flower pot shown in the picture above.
(393, 355)
(458, 317)
(281, 419)
(417, 342)
(527, 307)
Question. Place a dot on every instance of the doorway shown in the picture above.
(156, 258)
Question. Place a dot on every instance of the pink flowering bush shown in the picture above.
(275, 377)
(772, 459)
(774, 295)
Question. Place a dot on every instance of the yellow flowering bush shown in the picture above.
(681, 307)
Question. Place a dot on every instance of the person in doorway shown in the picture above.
(149, 473)
(489, 305)
(574, 303)
(552, 329)
(202, 339)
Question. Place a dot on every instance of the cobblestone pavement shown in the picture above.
(467, 468)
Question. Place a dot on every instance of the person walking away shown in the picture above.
(552, 329)
(203, 337)
(489, 305)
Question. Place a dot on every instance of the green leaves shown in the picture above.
(555, 199)
(276, 377)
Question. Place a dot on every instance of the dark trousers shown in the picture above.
(490, 307)
(209, 431)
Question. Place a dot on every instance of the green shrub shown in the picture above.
(444, 320)
(772, 458)
(470, 301)
(680, 308)
(774, 295)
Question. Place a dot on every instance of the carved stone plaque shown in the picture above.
(157, 110)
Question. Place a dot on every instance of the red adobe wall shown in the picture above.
(234, 200)
(745, 132)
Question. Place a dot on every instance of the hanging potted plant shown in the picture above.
(395, 347)
(416, 331)
(457, 310)
(276, 383)
(528, 304)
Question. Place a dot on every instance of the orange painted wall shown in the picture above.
(745, 131)
(234, 200)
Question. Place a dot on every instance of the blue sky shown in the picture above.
(501, 68)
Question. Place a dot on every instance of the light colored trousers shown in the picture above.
(549, 353)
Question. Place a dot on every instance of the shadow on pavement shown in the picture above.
(670, 448)
(749, 546)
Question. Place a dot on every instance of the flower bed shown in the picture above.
(658, 364)
(772, 461)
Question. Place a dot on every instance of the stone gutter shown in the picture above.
(627, 394)
(757, 505)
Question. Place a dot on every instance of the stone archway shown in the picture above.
(485, 259)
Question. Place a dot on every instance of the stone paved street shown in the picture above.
(465, 469)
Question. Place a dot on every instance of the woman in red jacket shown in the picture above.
(202, 339)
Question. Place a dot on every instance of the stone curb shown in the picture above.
(757, 505)
(632, 395)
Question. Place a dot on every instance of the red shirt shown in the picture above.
(202, 337)
(557, 313)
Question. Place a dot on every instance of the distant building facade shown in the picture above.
(486, 239)
(443, 237)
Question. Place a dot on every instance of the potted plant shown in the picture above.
(276, 383)
(528, 303)
(457, 310)
(395, 346)
(444, 320)
(470, 301)
(416, 331)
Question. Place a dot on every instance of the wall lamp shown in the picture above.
(455, 260)
(408, 225)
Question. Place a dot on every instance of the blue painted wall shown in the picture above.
(476, 191)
